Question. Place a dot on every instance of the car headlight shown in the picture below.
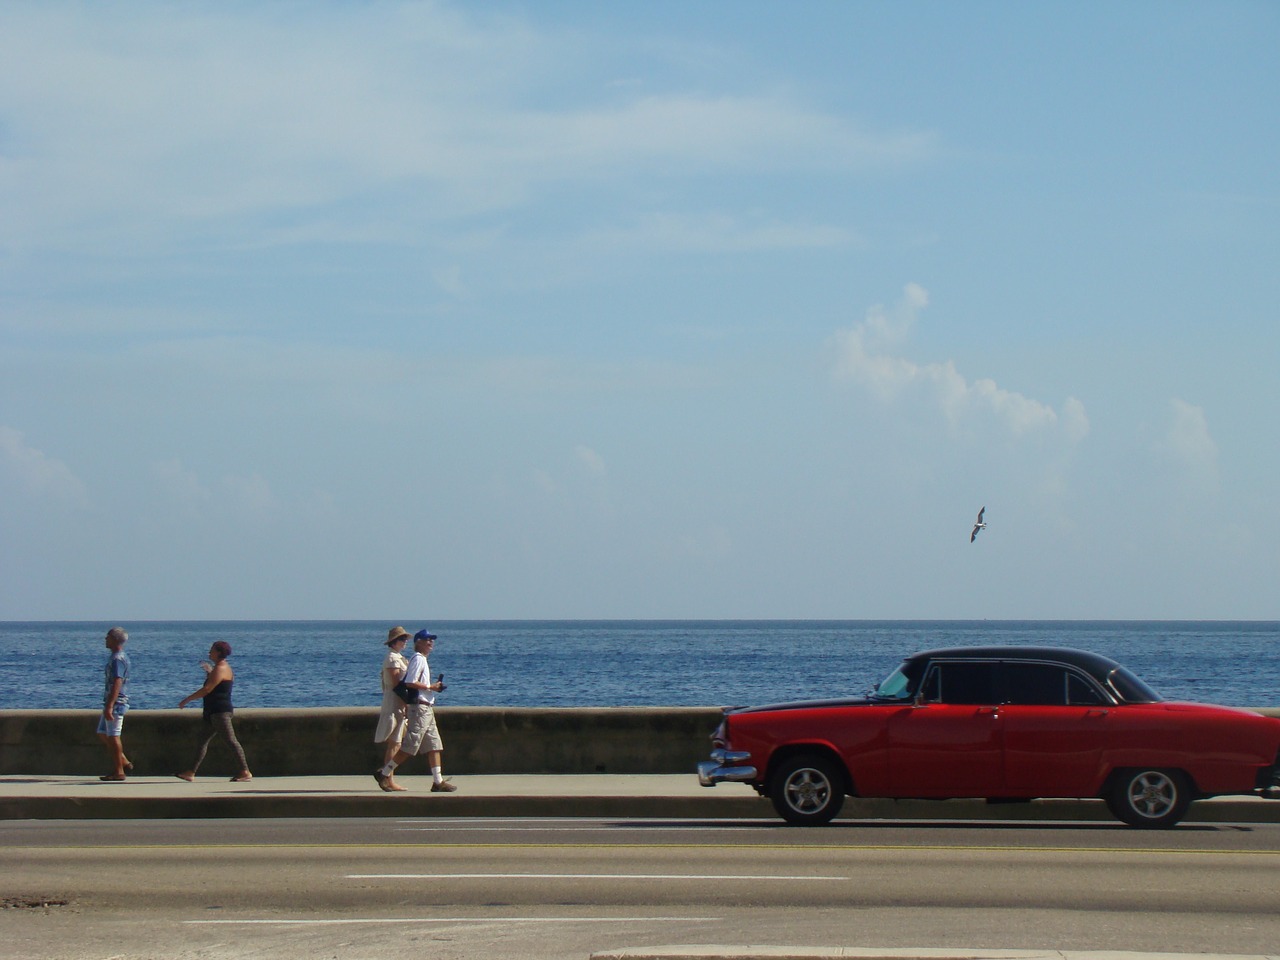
(721, 736)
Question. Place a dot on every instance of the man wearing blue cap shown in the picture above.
(420, 734)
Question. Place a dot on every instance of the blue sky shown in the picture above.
(561, 309)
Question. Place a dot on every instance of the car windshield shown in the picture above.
(901, 684)
(1129, 688)
(897, 685)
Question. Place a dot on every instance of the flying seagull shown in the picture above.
(979, 525)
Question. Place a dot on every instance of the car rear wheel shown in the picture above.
(808, 790)
(1149, 798)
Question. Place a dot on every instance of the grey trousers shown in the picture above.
(219, 725)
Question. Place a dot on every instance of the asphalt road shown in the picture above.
(565, 888)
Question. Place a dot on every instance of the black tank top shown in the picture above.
(218, 700)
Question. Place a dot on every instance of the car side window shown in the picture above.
(962, 682)
(929, 689)
(1081, 693)
(1035, 684)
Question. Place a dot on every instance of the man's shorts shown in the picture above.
(113, 728)
(421, 736)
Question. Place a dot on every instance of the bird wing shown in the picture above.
(980, 513)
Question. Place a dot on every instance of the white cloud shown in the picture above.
(1190, 445)
(868, 354)
(1074, 420)
(741, 132)
(251, 494)
(544, 482)
(33, 472)
(588, 463)
(590, 460)
(449, 279)
(236, 496)
(151, 119)
(719, 233)
(180, 484)
(707, 545)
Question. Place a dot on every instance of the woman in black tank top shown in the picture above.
(218, 712)
(218, 700)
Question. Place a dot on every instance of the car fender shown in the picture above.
(1219, 749)
(818, 747)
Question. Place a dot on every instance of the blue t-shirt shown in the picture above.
(117, 666)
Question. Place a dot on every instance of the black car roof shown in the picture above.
(1093, 663)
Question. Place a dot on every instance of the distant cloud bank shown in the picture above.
(1190, 445)
(35, 473)
(870, 354)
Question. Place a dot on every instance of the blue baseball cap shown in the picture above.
(423, 635)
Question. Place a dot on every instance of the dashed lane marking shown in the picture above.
(354, 920)
(579, 876)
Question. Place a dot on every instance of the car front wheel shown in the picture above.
(808, 790)
(1149, 798)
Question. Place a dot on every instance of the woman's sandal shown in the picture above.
(187, 776)
(242, 777)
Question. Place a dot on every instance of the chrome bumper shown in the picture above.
(1268, 777)
(725, 765)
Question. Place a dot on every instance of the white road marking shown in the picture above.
(457, 920)
(577, 876)
(647, 829)
(682, 822)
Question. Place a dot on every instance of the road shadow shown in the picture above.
(1088, 826)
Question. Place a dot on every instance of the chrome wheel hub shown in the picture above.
(1152, 794)
(808, 790)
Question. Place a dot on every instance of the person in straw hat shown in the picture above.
(421, 735)
(392, 715)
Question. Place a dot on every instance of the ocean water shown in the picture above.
(605, 663)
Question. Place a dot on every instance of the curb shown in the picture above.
(266, 803)
(710, 951)
(378, 805)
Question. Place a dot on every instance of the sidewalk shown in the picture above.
(593, 795)
(47, 797)
(714, 952)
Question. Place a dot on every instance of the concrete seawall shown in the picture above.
(339, 741)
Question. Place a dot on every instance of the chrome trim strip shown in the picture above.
(710, 773)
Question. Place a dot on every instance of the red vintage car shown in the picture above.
(1004, 723)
